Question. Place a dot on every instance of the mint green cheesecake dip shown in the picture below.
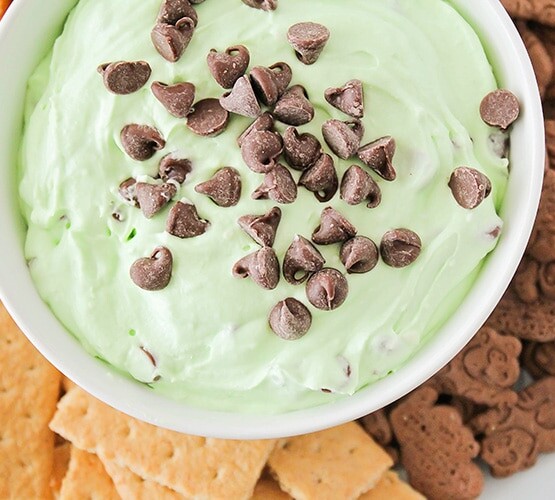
(205, 338)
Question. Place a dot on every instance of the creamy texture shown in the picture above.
(424, 72)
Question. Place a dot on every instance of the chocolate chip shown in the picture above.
(500, 108)
(378, 155)
(294, 108)
(152, 198)
(208, 118)
(321, 179)
(261, 228)
(184, 221)
(469, 187)
(141, 142)
(116, 215)
(327, 289)
(278, 186)
(229, 66)
(343, 138)
(264, 85)
(262, 4)
(359, 255)
(177, 99)
(262, 266)
(261, 149)
(301, 150)
(301, 257)
(283, 75)
(290, 319)
(265, 122)
(358, 186)
(171, 41)
(149, 355)
(499, 143)
(349, 98)
(224, 188)
(308, 40)
(127, 191)
(400, 247)
(174, 169)
(172, 11)
(333, 228)
(241, 100)
(124, 78)
(154, 272)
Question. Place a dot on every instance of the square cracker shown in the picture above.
(68, 384)
(59, 470)
(343, 462)
(132, 487)
(193, 466)
(29, 388)
(268, 489)
(392, 488)
(4, 4)
(87, 478)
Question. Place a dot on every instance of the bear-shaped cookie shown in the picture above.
(484, 371)
(515, 435)
(436, 448)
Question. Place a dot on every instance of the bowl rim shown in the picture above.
(139, 401)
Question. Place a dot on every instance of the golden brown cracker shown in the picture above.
(29, 388)
(343, 462)
(68, 384)
(542, 11)
(391, 487)
(60, 467)
(132, 487)
(193, 466)
(268, 489)
(4, 4)
(87, 478)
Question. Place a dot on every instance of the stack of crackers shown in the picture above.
(74, 447)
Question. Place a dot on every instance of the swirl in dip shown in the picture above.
(205, 337)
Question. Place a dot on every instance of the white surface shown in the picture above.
(23, 33)
(537, 483)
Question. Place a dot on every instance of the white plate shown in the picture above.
(537, 483)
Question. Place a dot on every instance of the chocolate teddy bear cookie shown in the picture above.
(542, 242)
(377, 425)
(527, 310)
(514, 436)
(467, 409)
(436, 448)
(484, 371)
(539, 359)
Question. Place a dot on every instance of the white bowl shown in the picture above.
(24, 34)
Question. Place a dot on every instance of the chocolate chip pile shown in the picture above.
(264, 94)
